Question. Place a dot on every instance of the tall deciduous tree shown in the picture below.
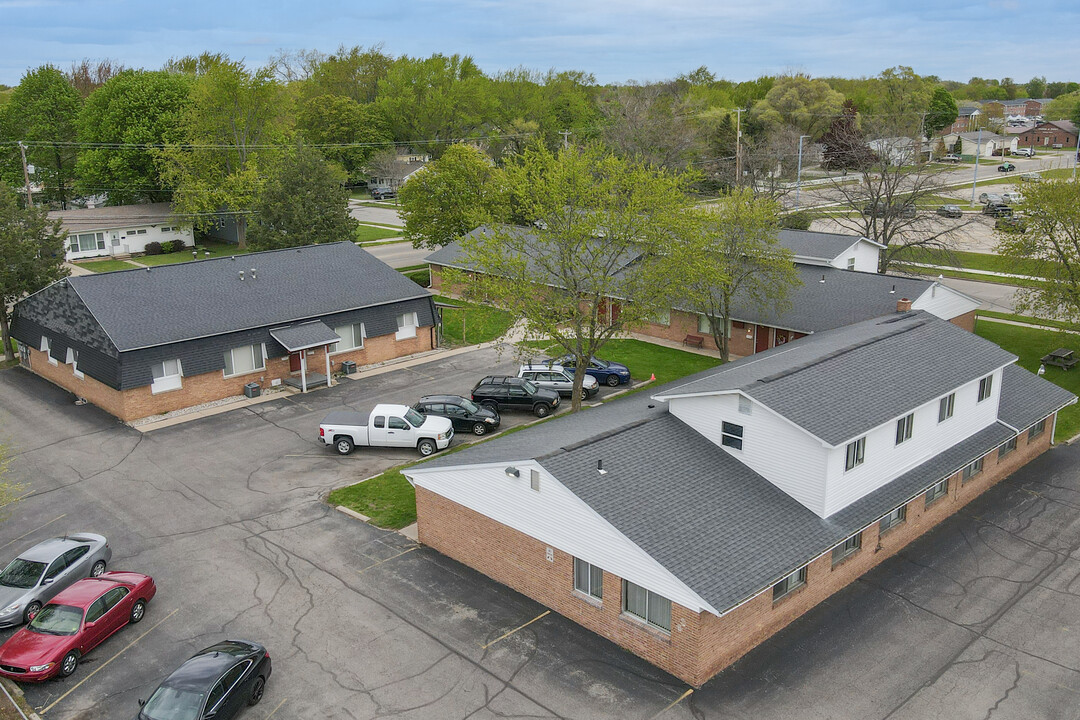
(452, 196)
(302, 202)
(941, 112)
(651, 123)
(122, 124)
(1049, 248)
(799, 101)
(336, 120)
(233, 117)
(42, 111)
(731, 257)
(593, 227)
(844, 144)
(31, 255)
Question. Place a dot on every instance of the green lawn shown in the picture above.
(473, 324)
(1029, 345)
(388, 499)
(366, 233)
(1027, 319)
(644, 358)
(420, 277)
(216, 249)
(967, 260)
(100, 266)
(960, 275)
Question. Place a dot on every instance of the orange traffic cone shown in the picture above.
(652, 377)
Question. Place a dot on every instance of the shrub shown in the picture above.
(178, 245)
(797, 220)
(167, 247)
(153, 248)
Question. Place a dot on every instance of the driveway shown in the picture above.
(399, 254)
(362, 623)
(377, 215)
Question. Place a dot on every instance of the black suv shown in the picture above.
(997, 209)
(464, 414)
(503, 391)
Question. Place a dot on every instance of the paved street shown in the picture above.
(377, 215)
(974, 619)
(399, 254)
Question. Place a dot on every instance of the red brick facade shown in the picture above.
(699, 644)
(1049, 134)
(141, 402)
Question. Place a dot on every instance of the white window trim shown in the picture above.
(73, 361)
(407, 332)
(262, 368)
(363, 337)
(47, 349)
(588, 594)
(165, 383)
(860, 453)
(627, 613)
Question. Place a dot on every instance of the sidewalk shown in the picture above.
(991, 273)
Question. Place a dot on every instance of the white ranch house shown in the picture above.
(120, 230)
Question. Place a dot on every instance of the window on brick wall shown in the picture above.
(167, 376)
(588, 579)
(937, 491)
(647, 605)
(792, 582)
(1036, 430)
(971, 470)
(244, 359)
(894, 518)
(406, 326)
(1007, 448)
(352, 337)
(847, 548)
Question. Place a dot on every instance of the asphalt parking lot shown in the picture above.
(975, 620)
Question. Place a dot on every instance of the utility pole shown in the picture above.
(565, 138)
(26, 175)
(738, 146)
(975, 180)
(798, 177)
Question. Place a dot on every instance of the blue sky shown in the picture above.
(616, 40)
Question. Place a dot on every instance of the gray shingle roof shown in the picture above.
(1030, 399)
(718, 526)
(816, 245)
(304, 335)
(839, 384)
(114, 216)
(171, 303)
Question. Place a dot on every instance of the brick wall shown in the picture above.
(700, 644)
(140, 402)
(966, 321)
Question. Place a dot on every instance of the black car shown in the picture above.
(217, 682)
(382, 193)
(498, 392)
(950, 211)
(1006, 167)
(464, 414)
(997, 209)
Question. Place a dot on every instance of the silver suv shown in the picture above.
(559, 379)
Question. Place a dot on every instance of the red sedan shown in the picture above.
(73, 623)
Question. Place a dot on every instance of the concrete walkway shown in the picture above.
(991, 273)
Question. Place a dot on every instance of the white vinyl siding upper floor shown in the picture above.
(557, 517)
(864, 253)
(943, 302)
(782, 453)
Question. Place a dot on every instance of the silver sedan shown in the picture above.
(35, 576)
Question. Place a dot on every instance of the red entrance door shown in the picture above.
(761, 340)
(294, 362)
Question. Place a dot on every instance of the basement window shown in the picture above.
(971, 470)
(894, 518)
(847, 548)
(1036, 430)
(792, 582)
(937, 491)
(1007, 448)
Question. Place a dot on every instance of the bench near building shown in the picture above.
(691, 525)
(148, 341)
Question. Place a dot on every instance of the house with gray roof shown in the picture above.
(839, 285)
(690, 524)
(147, 341)
(120, 230)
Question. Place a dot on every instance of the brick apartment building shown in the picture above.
(147, 341)
(691, 525)
(839, 286)
(1048, 134)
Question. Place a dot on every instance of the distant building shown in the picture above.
(967, 118)
(120, 229)
(1061, 133)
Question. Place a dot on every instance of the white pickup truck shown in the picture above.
(386, 426)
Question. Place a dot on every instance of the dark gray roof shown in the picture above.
(718, 526)
(839, 384)
(171, 303)
(305, 335)
(1030, 398)
(816, 245)
(114, 216)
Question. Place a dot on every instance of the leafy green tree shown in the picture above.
(452, 196)
(1049, 248)
(1062, 107)
(302, 202)
(1056, 89)
(31, 255)
(1036, 87)
(215, 169)
(941, 112)
(731, 258)
(333, 120)
(800, 101)
(591, 227)
(42, 112)
(650, 123)
(137, 108)
(904, 98)
(353, 73)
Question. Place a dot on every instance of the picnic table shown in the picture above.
(1062, 358)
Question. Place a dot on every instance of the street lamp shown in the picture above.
(798, 177)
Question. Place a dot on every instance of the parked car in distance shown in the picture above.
(558, 379)
(36, 575)
(950, 158)
(463, 413)
(882, 209)
(1011, 198)
(1006, 167)
(73, 623)
(500, 392)
(385, 426)
(1031, 177)
(218, 682)
(1025, 152)
(997, 209)
(950, 211)
(985, 198)
(1014, 224)
(382, 193)
(605, 371)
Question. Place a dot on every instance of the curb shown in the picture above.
(10, 689)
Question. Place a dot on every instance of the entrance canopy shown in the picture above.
(307, 335)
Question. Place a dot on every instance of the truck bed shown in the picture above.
(345, 417)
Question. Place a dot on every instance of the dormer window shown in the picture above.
(731, 435)
(986, 386)
(855, 453)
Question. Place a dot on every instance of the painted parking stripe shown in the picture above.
(102, 666)
(519, 627)
(33, 531)
(276, 708)
(364, 570)
(673, 704)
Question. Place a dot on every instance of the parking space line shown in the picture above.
(102, 665)
(361, 572)
(33, 531)
(519, 627)
(276, 709)
(674, 703)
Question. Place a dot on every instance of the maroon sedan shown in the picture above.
(73, 623)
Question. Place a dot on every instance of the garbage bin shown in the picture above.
(348, 367)
(252, 390)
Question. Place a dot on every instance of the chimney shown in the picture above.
(903, 305)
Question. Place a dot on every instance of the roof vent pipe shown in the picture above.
(252, 273)
(822, 280)
(241, 275)
(600, 467)
(893, 291)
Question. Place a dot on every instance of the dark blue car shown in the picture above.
(606, 372)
